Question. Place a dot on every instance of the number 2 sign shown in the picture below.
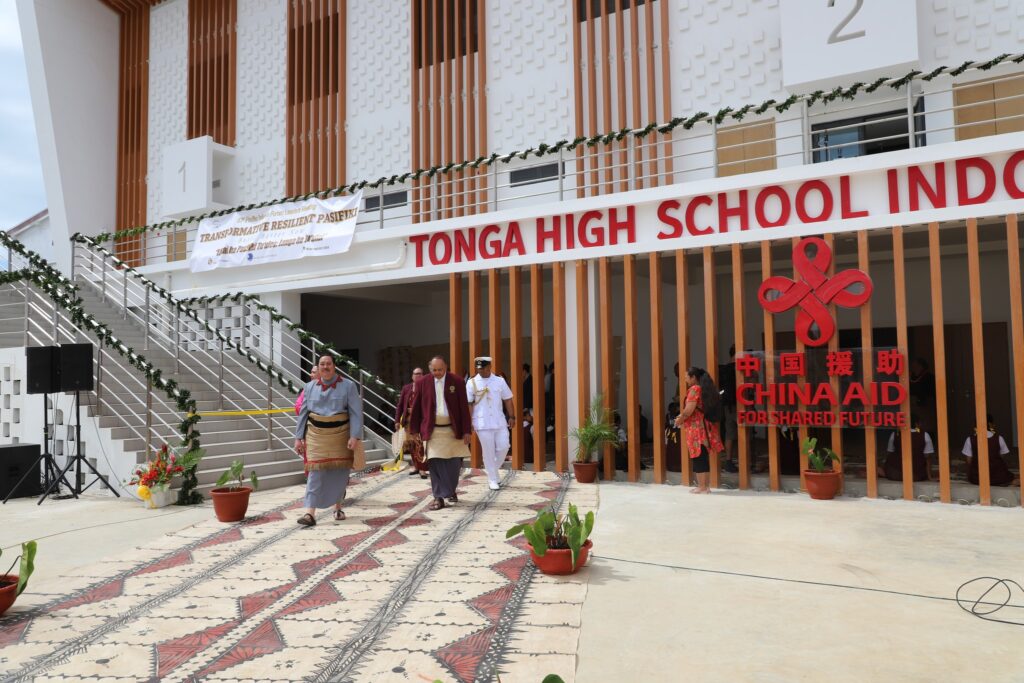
(833, 42)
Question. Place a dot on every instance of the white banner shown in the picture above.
(283, 232)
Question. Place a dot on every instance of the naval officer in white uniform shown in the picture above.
(487, 394)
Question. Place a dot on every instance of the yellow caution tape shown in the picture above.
(236, 413)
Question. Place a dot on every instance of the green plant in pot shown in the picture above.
(231, 495)
(822, 481)
(559, 544)
(595, 431)
(13, 585)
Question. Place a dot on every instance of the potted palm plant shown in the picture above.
(13, 585)
(231, 500)
(559, 544)
(595, 431)
(822, 481)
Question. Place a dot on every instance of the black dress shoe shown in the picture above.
(453, 499)
(438, 504)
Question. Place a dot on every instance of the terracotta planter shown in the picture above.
(230, 504)
(822, 485)
(586, 472)
(559, 562)
(8, 594)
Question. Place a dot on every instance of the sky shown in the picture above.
(21, 177)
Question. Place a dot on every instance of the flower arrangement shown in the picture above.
(157, 474)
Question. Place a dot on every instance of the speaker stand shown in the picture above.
(52, 476)
(79, 458)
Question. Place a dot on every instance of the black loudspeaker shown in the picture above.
(76, 367)
(15, 461)
(43, 369)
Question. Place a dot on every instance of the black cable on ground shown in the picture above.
(972, 607)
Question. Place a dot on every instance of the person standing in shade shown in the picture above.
(314, 375)
(491, 401)
(440, 415)
(700, 426)
(413, 446)
(328, 431)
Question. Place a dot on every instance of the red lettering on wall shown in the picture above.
(760, 207)
(417, 241)
(1013, 188)
(465, 245)
(446, 249)
(669, 220)
(826, 201)
(845, 200)
(615, 226)
(490, 248)
(554, 234)
(513, 241)
(725, 212)
(917, 183)
(988, 173)
(590, 239)
(691, 209)
(570, 231)
(893, 181)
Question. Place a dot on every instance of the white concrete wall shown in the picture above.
(168, 93)
(71, 51)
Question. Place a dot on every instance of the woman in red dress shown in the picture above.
(699, 431)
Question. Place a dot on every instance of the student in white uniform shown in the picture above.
(490, 400)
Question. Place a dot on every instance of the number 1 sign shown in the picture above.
(833, 42)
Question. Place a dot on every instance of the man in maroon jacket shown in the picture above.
(414, 448)
(440, 415)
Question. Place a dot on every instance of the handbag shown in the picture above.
(359, 456)
(398, 442)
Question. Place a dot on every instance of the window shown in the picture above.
(435, 20)
(610, 7)
(989, 107)
(863, 135)
(534, 174)
(371, 202)
(745, 148)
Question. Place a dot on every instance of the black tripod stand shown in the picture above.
(52, 475)
(77, 459)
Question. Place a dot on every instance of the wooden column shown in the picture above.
(604, 153)
(577, 82)
(620, 88)
(475, 345)
(940, 430)
(902, 344)
(978, 349)
(739, 339)
(632, 368)
(666, 90)
(583, 339)
(604, 304)
(455, 323)
(683, 353)
(868, 364)
(558, 383)
(657, 361)
(591, 155)
(537, 343)
(774, 481)
(1017, 325)
(515, 360)
(710, 340)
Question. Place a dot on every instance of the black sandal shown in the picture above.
(339, 515)
(307, 520)
(438, 504)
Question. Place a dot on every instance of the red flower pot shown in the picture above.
(822, 485)
(230, 504)
(586, 472)
(9, 592)
(559, 562)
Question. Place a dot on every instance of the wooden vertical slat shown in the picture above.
(774, 475)
(632, 370)
(291, 83)
(316, 90)
(335, 124)
(583, 338)
(481, 76)
(591, 155)
(635, 168)
(494, 320)
(473, 148)
(666, 90)
(836, 431)
(515, 359)
(340, 95)
(577, 85)
(739, 339)
(604, 152)
(711, 339)
(304, 95)
(426, 111)
(620, 87)
(475, 342)
(455, 323)
(652, 100)
(414, 114)
(1017, 330)
(604, 304)
(456, 188)
(978, 352)
(437, 112)
(940, 430)
(445, 109)
(537, 345)
(868, 367)
(902, 343)
(558, 383)
(233, 75)
(683, 342)
(657, 361)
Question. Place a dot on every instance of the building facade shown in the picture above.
(608, 186)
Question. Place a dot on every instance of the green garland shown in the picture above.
(185, 309)
(64, 293)
(824, 97)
